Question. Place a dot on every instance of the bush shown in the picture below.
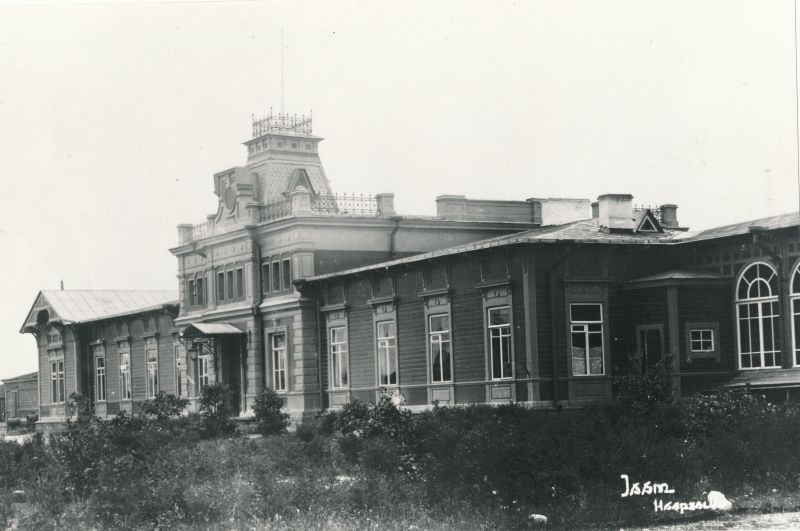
(13, 423)
(272, 420)
(382, 418)
(215, 412)
(164, 406)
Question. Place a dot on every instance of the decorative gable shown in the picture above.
(299, 177)
(648, 223)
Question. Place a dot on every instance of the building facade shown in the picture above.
(553, 315)
(327, 298)
(20, 396)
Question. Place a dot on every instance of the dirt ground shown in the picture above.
(738, 521)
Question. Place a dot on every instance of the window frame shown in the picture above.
(758, 303)
(587, 333)
(448, 378)
(125, 391)
(100, 376)
(278, 355)
(57, 380)
(390, 349)
(151, 370)
(509, 339)
(340, 359)
(794, 308)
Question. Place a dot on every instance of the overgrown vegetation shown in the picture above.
(378, 466)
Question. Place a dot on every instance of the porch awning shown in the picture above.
(210, 329)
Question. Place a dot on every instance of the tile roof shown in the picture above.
(80, 306)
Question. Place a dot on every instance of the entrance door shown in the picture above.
(650, 344)
(232, 370)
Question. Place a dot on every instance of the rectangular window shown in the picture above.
(387, 353)
(220, 287)
(339, 360)
(759, 334)
(278, 346)
(203, 371)
(439, 341)
(239, 283)
(191, 294)
(586, 332)
(125, 371)
(500, 342)
(152, 372)
(53, 336)
(200, 291)
(701, 340)
(286, 271)
(100, 379)
(57, 390)
(265, 278)
(276, 277)
(229, 281)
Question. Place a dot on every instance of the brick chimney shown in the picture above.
(615, 211)
(669, 216)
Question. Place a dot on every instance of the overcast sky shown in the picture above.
(114, 117)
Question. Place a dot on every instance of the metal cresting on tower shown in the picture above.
(282, 123)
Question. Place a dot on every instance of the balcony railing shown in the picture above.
(304, 203)
(345, 205)
(200, 231)
(275, 210)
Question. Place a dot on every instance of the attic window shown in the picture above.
(647, 226)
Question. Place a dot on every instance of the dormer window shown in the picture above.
(647, 226)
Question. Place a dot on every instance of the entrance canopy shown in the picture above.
(210, 329)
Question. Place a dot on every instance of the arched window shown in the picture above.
(795, 301)
(758, 315)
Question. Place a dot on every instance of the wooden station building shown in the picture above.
(326, 298)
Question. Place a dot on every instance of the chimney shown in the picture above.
(595, 210)
(615, 211)
(669, 216)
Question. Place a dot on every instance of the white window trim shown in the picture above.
(490, 327)
(701, 340)
(440, 342)
(57, 381)
(758, 301)
(97, 378)
(343, 356)
(794, 296)
(390, 353)
(278, 354)
(125, 374)
(587, 335)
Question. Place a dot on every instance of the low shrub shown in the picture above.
(164, 407)
(215, 412)
(14, 424)
(271, 418)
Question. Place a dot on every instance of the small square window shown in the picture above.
(701, 340)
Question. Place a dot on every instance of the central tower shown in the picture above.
(284, 154)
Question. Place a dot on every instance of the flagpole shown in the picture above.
(796, 108)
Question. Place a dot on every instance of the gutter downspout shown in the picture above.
(392, 242)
